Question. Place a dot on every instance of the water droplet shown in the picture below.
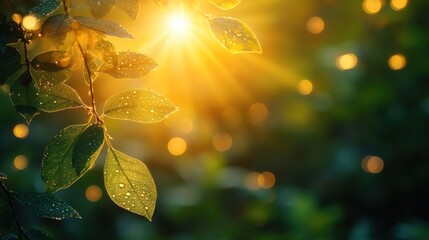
(117, 170)
(121, 185)
(128, 194)
(146, 208)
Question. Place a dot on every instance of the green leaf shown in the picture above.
(46, 7)
(234, 35)
(10, 62)
(161, 3)
(100, 8)
(46, 205)
(225, 4)
(87, 148)
(57, 26)
(144, 106)
(23, 94)
(9, 236)
(57, 163)
(9, 33)
(129, 183)
(106, 52)
(131, 7)
(52, 61)
(58, 98)
(131, 65)
(93, 64)
(105, 26)
(35, 234)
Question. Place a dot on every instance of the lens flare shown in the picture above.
(179, 24)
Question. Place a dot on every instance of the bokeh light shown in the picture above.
(251, 181)
(20, 131)
(177, 146)
(16, 17)
(397, 62)
(30, 22)
(222, 141)
(20, 162)
(398, 5)
(315, 25)
(258, 113)
(305, 87)
(372, 6)
(93, 193)
(266, 180)
(347, 61)
(372, 164)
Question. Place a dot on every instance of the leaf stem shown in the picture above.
(12, 208)
(66, 8)
(91, 85)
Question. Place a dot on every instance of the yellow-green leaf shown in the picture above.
(234, 35)
(140, 105)
(131, 7)
(129, 183)
(131, 65)
(100, 8)
(225, 4)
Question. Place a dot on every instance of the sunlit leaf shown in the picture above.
(56, 26)
(100, 8)
(161, 3)
(9, 236)
(9, 63)
(225, 4)
(45, 79)
(144, 106)
(131, 7)
(57, 163)
(46, 7)
(52, 61)
(92, 65)
(234, 35)
(87, 148)
(129, 183)
(106, 52)
(131, 65)
(57, 98)
(105, 26)
(35, 234)
(46, 205)
(23, 94)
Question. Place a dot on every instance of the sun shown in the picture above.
(179, 24)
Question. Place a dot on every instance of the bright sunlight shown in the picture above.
(179, 24)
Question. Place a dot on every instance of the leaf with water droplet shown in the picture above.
(161, 3)
(57, 26)
(51, 68)
(9, 236)
(131, 65)
(10, 62)
(140, 105)
(100, 8)
(23, 94)
(131, 7)
(225, 4)
(46, 205)
(87, 148)
(57, 162)
(132, 187)
(46, 7)
(234, 35)
(92, 66)
(106, 52)
(105, 26)
(58, 98)
(36, 234)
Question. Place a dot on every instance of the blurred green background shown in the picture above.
(327, 139)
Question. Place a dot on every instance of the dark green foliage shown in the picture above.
(45, 7)
(87, 147)
(46, 205)
(9, 63)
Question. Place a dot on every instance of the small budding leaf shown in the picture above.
(129, 183)
(161, 3)
(57, 163)
(140, 105)
(100, 8)
(87, 148)
(104, 26)
(23, 94)
(35, 234)
(46, 205)
(131, 65)
(58, 98)
(225, 4)
(46, 7)
(57, 26)
(234, 35)
(131, 7)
